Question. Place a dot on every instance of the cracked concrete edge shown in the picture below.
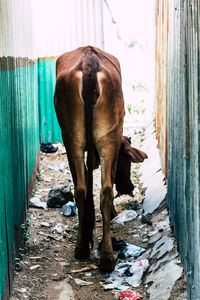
(163, 251)
(151, 175)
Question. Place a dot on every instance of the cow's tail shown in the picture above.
(90, 93)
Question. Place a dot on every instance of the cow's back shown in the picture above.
(108, 108)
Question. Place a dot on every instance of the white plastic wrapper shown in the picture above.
(125, 216)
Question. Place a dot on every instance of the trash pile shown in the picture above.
(127, 272)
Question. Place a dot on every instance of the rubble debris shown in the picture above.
(163, 281)
(165, 244)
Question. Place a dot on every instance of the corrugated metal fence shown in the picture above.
(30, 30)
(177, 95)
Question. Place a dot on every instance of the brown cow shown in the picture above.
(90, 109)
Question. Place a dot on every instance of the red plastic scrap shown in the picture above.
(130, 295)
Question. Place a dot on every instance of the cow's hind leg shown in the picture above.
(107, 262)
(108, 167)
(77, 167)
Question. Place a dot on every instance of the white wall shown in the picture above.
(37, 28)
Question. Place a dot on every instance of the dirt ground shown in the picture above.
(48, 260)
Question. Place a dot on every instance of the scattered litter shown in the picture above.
(88, 274)
(138, 269)
(118, 245)
(76, 226)
(44, 190)
(42, 233)
(59, 195)
(130, 295)
(44, 224)
(82, 282)
(132, 251)
(59, 167)
(35, 267)
(46, 178)
(125, 216)
(94, 267)
(22, 290)
(69, 209)
(116, 284)
(58, 227)
(36, 202)
(126, 250)
(35, 257)
(48, 148)
(61, 148)
(83, 269)
(140, 226)
(128, 272)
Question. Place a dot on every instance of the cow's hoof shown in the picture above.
(82, 253)
(107, 264)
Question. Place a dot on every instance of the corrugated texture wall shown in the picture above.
(181, 98)
(32, 34)
(49, 127)
(19, 127)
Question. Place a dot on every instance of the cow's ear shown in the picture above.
(134, 154)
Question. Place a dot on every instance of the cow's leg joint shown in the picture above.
(82, 249)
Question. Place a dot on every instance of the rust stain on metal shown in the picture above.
(161, 53)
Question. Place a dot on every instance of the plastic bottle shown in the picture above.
(69, 209)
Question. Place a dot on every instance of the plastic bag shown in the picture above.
(132, 251)
(125, 216)
(137, 269)
(130, 295)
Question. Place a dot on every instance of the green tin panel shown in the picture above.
(19, 136)
(49, 127)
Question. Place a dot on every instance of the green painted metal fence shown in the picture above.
(26, 115)
(49, 127)
(19, 136)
